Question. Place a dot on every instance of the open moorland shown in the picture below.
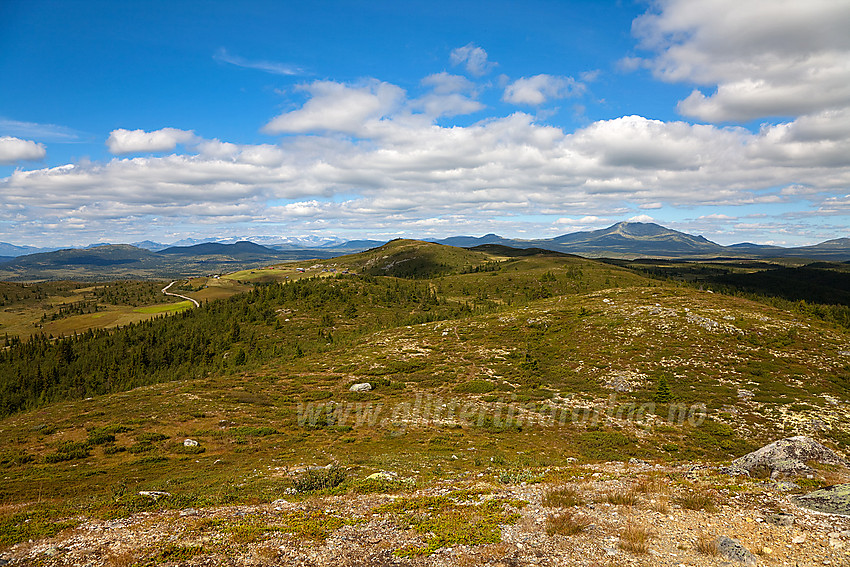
(422, 404)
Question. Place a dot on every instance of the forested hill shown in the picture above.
(218, 336)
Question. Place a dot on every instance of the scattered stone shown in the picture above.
(362, 387)
(155, 494)
(786, 457)
(799, 539)
(831, 500)
(732, 550)
(634, 461)
(781, 519)
(742, 393)
(190, 443)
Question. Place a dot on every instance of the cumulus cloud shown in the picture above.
(336, 107)
(397, 168)
(539, 89)
(642, 218)
(764, 57)
(123, 141)
(14, 150)
(473, 58)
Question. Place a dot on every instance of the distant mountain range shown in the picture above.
(626, 240)
(637, 239)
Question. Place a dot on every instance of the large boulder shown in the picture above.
(786, 457)
(830, 500)
(363, 387)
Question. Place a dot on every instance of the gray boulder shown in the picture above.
(363, 387)
(732, 550)
(830, 500)
(786, 457)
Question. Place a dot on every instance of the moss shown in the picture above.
(446, 521)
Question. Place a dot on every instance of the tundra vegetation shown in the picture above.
(503, 368)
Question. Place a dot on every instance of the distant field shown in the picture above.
(282, 273)
(164, 308)
(65, 307)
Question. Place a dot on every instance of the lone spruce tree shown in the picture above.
(663, 395)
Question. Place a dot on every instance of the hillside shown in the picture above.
(496, 377)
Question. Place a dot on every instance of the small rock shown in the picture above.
(155, 494)
(799, 539)
(781, 519)
(766, 550)
(189, 512)
(362, 387)
(190, 443)
(732, 550)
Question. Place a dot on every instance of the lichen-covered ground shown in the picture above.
(469, 521)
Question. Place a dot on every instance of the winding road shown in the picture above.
(166, 292)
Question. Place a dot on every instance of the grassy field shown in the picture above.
(164, 308)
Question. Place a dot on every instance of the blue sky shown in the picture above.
(125, 121)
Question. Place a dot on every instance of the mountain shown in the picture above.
(624, 239)
(122, 261)
(150, 245)
(242, 248)
(13, 251)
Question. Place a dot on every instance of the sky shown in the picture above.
(165, 120)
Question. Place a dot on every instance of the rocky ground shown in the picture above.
(611, 501)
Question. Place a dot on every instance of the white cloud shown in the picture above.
(474, 58)
(446, 83)
(123, 141)
(402, 171)
(716, 216)
(336, 107)
(587, 220)
(538, 89)
(13, 150)
(765, 57)
(266, 66)
(642, 218)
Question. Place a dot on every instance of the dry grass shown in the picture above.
(622, 498)
(697, 501)
(660, 505)
(563, 497)
(566, 524)
(635, 538)
(652, 485)
(706, 544)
